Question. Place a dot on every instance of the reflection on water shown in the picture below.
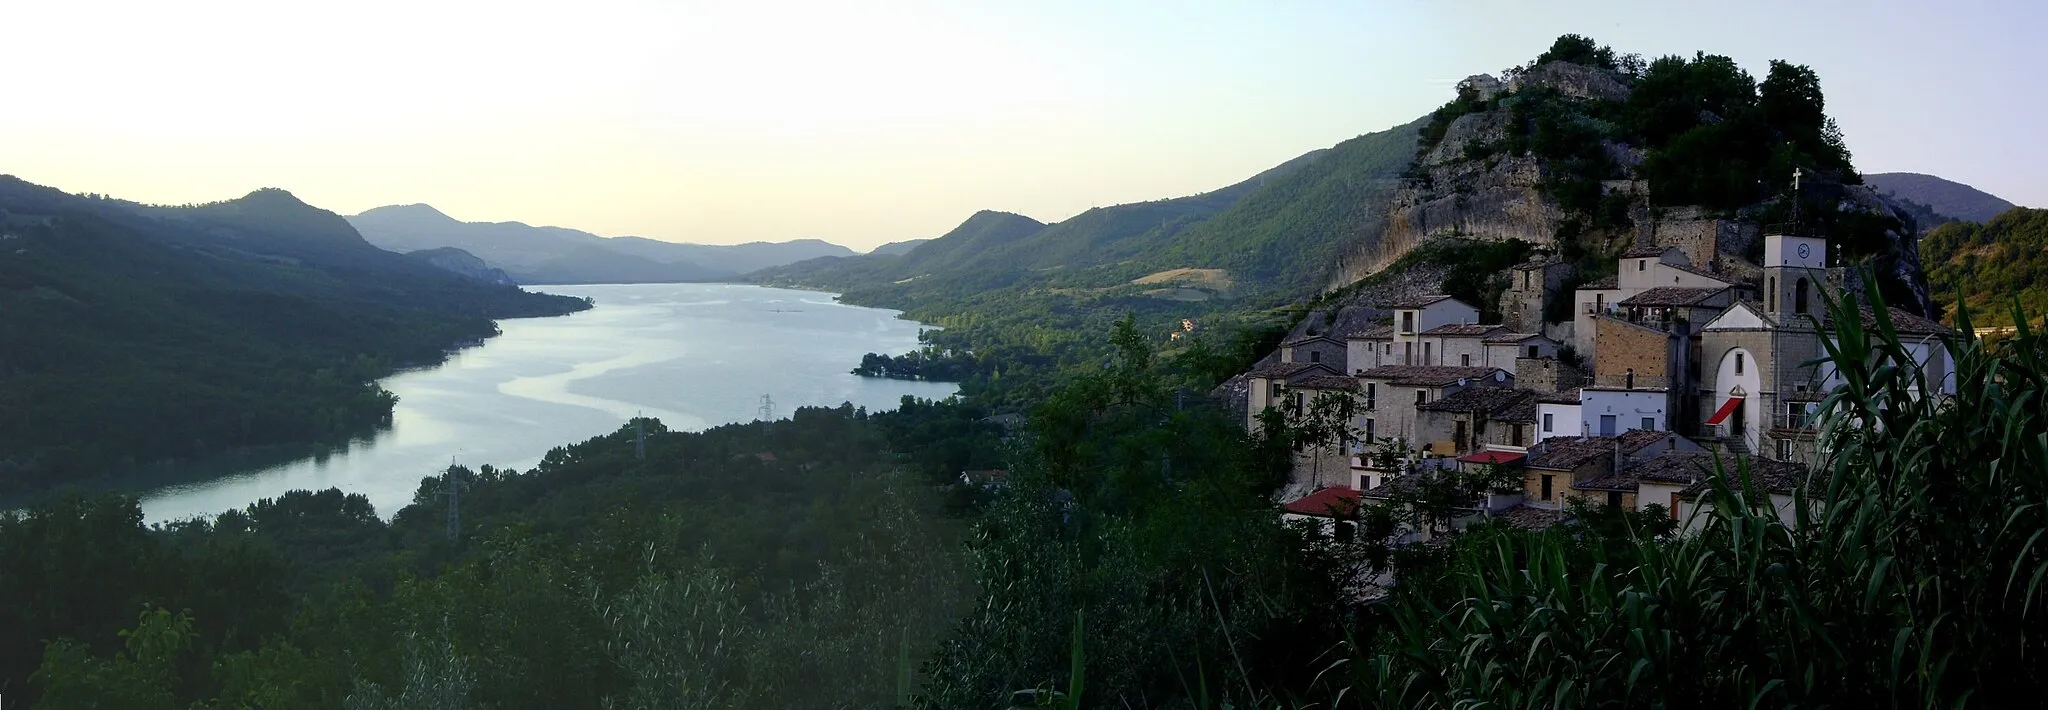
(691, 355)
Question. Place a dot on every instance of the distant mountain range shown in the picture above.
(557, 255)
(1945, 199)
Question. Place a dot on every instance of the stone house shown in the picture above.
(1781, 480)
(1315, 349)
(1464, 421)
(1393, 392)
(1639, 270)
(1416, 316)
(1268, 386)
(1556, 465)
(1530, 286)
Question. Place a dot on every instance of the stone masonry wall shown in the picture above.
(1622, 346)
(1543, 374)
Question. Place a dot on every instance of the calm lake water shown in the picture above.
(692, 355)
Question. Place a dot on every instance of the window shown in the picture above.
(1738, 363)
(1784, 449)
(1771, 294)
(1458, 436)
(1372, 396)
(1344, 531)
(1535, 352)
(1408, 321)
(1387, 349)
(1370, 433)
(1614, 499)
(1408, 353)
(1315, 356)
(1273, 390)
(1465, 359)
(1428, 352)
(1516, 437)
(1547, 478)
(1649, 424)
(1546, 422)
(1799, 296)
(1525, 278)
(1421, 396)
(1642, 264)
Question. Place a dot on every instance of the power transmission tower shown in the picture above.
(451, 488)
(767, 408)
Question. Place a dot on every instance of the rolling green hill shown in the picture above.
(1991, 264)
(134, 334)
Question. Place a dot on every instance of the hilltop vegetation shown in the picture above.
(1991, 265)
(134, 334)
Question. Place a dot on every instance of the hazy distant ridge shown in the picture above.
(537, 255)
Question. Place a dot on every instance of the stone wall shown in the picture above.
(1622, 347)
(1546, 374)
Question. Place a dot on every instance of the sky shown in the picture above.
(864, 123)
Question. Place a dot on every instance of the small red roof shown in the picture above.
(1493, 457)
(1332, 502)
(1726, 409)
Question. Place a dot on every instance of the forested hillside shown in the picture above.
(1991, 265)
(710, 573)
(133, 334)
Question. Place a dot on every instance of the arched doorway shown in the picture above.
(1738, 382)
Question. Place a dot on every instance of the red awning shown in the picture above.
(1492, 457)
(1726, 409)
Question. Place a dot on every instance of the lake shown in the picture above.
(692, 355)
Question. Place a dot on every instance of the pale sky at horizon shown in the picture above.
(773, 120)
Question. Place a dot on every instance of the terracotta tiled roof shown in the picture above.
(1570, 396)
(1465, 329)
(1478, 399)
(1324, 382)
(1378, 332)
(1780, 477)
(1552, 261)
(1299, 339)
(1610, 282)
(1635, 440)
(1906, 323)
(1283, 370)
(1567, 453)
(1524, 412)
(1697, 271)
(1645, 251)
(1511, 337)
(1421, 301)
(1528, 518)
(1668, 296)
(1427, 375)
(1332, 502)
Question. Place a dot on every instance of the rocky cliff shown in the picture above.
(1569, 157)
(464, 264)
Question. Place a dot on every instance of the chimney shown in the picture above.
(1629, 379)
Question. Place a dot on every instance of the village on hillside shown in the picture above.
(1683, 363)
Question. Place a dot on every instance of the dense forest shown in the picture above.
(133, 334)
